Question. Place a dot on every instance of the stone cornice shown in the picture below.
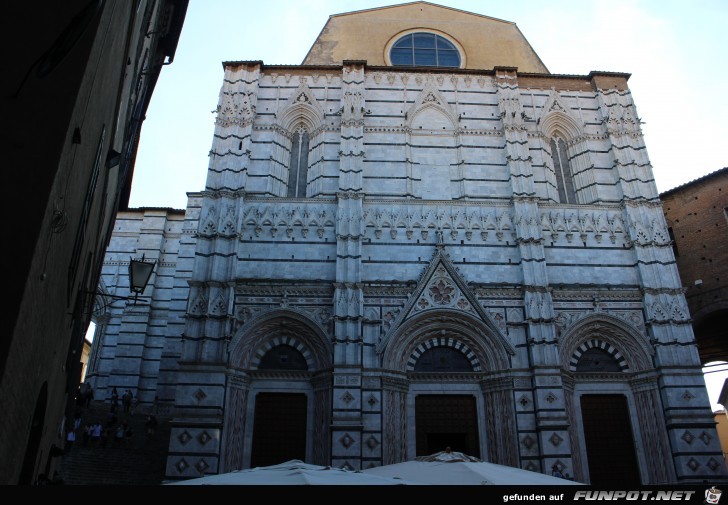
(280, 374)
(394, 290)
(586, 377)
(216, 194)
(399, 384)
(420, 377)
(586, 293)
(245, 287)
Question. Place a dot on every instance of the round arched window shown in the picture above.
(422, 49)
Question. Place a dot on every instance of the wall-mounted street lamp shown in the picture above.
(140, 271)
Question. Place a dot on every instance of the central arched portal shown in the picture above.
(447, 418)
(448, 394)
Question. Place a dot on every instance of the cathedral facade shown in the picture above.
(429, 241)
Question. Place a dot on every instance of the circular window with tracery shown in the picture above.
(423, 49)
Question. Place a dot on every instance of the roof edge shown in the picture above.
(144, 209)
(485, 71)
(383, 7)
(695, 181)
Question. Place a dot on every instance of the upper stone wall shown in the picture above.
(486, 42)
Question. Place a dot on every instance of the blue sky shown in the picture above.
(675, 51)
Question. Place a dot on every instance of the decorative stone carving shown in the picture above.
(555, 439)
(202, 466)
(181, 465)
(203, 438)
(198, 307)
(372, 401)
(235, 109)
(714, 465)
(347, 441)
(299, 216)
(218, 307)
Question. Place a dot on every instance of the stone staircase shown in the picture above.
(142, 462)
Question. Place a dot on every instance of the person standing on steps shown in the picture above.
(114, 399)
(126, 401)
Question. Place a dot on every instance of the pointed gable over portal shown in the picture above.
(442, 287)
(484, 42)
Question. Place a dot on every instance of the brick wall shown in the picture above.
(696, 214)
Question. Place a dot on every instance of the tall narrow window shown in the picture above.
(564, 181)
(298, 168)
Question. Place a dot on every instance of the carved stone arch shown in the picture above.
(276, 327)
(431, 100)
(289, 340)
(557, 123)
(300, 115)
(597, 343)
(556, 119)
(430, 108)
(487, 349)
(574, 177)
(632, 344)
(301, 109)
(443, 342)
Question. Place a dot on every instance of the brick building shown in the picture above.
(697, 219)
(420, 241)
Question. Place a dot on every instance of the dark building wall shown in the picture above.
(76, 87)
(697, 214)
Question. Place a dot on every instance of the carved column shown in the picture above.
(200, 399)
(551, 419)
(322, 419)
(236, 408)
(654, 443)
(574, 423)
(394, 419)
(347, 425)
(236, 109)
(501, 421)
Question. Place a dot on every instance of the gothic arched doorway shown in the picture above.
(450, 419)
(278, 393)
(445, 395)
(280, 419)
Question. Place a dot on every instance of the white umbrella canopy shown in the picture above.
(455, 468)
(294, 472)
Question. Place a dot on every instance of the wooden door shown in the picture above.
(279, 428)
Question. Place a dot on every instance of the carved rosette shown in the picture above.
(442, 292)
